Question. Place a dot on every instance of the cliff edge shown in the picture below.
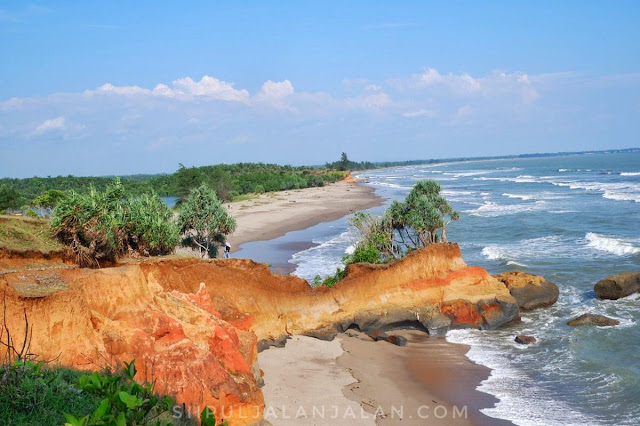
(195, 326)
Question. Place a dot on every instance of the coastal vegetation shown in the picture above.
(204, 222)
(420, 220)
(102, 226)
(227, 180)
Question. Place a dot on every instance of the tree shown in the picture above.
(420, 220)
(204, 221)
(344, 162)
(186, 179)
(48, 200)
(423, 214)
(10, 198)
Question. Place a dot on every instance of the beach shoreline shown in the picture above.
(354, 380)
(429, 381)
(272, 215)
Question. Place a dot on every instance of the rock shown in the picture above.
(525, 340)
(437, 323)
(530, 291)
(617, 286)
(397, 340)
(595, 319)
(378, 335)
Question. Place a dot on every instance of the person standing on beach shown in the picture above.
(227, 250)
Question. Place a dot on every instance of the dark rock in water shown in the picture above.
(437, 323)
(530, 291)
(594, 319)
(525, 340)
(617, 286)
(397, 340)
(379, 335)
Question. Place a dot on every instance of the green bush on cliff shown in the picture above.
(420, 220)
(204, 221)
(101, 226)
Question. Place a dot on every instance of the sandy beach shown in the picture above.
(274, 214)
(361, 382)
(353, 380)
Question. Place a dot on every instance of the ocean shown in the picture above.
(572, 219)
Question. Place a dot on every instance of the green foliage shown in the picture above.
(102, 226)
(205, 221)
(151, 227)
(10, 198)
(366, 253)
(227, 180)
(48, 200)
(373, 233)
(122, 400)
(32, 394)
(417, 222)
(423, 217)
(30, 213)
(207, 418)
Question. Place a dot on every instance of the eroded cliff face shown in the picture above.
(196, 324)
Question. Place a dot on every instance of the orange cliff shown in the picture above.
(194, 326)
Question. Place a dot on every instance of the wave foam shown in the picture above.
(615, 246)
(619, 191)
(322, 259)
(630, 174)
(491, 209)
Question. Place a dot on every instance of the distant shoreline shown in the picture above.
(272, 215)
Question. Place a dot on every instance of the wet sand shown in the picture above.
(274, 214)
(427, 382)
(353, 380)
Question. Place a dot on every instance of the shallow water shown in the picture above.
(571, 219)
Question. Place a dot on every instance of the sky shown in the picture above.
(116, 88)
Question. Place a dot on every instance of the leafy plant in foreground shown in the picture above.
(124, 402)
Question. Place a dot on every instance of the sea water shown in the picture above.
(572, 219)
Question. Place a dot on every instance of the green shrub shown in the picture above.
(101, 226)
(204, 221)
(32, 394)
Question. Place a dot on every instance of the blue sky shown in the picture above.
(94, 88)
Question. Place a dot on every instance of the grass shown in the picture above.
(23, 234)
(245, 197)
(42, 396)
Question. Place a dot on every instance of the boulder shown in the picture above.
(525, 340)
(617, 286)
(595, 319)
(378, 335)
(397, 340)
(530, 291)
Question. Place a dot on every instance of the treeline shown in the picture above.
(228, 180)
(346, 164)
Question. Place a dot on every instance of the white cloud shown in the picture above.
(50, 125)
(209, 119)
(462, 83)
(184, 88)
(60, 125)
(375, 101)
(420, 113)
(276, 90)
(208, 87)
